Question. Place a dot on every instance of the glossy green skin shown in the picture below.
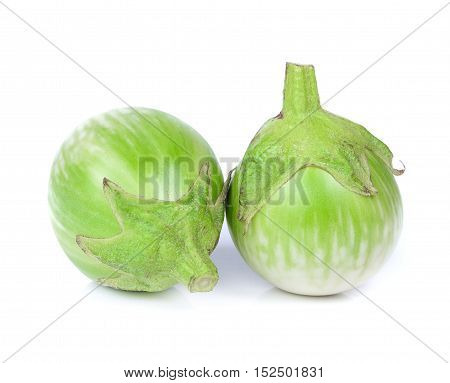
(110, 146)
(351, 233)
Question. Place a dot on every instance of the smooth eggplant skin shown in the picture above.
(116, 145)
(315, 237)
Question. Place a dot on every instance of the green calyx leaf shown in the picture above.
(302, 135)
(161, 243)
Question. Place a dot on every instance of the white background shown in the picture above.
(219, 66)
